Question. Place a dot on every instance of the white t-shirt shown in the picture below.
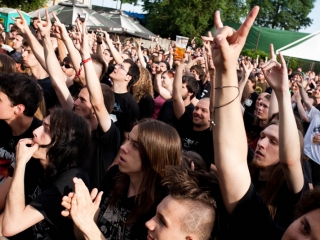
(311, 149)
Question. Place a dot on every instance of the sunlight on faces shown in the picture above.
(263, 109)
(166, 80)
(42, 136)
(121, 73)
(201, 114)
(166, 224)
(267, 151)
(129, 159)
(82, 105)
(29, 59)
(7, 110)
(306, 227)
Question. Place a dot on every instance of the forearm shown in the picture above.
(115, 53)
(141, 58)
(56, 75)
(75, 57)
(37, 49)
(94, 233)
(178, 105)
(302, 112)
(289, 144)
(15, 203)
(273, 106)
(242, 84)
(305, 98)
(61, 49)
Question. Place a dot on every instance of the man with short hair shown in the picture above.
(17, 46)
(20, 97)
(189, 211)
(194, 129)
(189, 90)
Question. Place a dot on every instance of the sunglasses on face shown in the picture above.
(65, 65)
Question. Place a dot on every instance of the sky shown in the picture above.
(315, 13)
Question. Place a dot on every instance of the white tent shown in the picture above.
(307, 48)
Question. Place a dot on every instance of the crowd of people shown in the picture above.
(108, 140)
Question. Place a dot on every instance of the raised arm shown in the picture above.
(247, 69)
(115, 53)
(304, 97)
(58, 78)
(36, 47)
(73, 52)
(140, 54)
(178, 105)
(93, 83)
(289, 144)
(301, 111)
(230, 148)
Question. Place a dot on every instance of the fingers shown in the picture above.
(244, 29)
(282, 61)
(47, 17)
(217, 20)
(93, 193)
(98, 199)
(272, 54)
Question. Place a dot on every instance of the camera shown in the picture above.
(83, 17)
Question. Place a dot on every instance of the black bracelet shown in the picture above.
(99, 42)
(232, 99)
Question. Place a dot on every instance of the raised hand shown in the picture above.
(228, 43)
(59, 29)
(246, 69)
(276, 73)
(21, 23)
(83, 207)
(44, 26)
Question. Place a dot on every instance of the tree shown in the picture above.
(189, 18)
(25, 5)
(283, 14)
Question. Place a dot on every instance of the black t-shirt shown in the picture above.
(250, 103)
(49, 93)
(126, 110)
(104, 149)
(8, 144)
(204, 90)
(46, 198)
(146, 107)
(166, 113)
(200, 142)
(111, 219)
(250, 220)
(285, 201)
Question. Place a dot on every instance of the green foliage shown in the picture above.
(287, 15)
(188, 18)
(253, 53)
(26, 5)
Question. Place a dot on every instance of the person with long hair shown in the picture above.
(142, 92)
(61, 144)
(131, 189)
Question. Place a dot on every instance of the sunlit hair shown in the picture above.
(7, 64)
(159, 146)
(198, 190)
(70, 141)
(143, 86)
(169, 72)
(277, 178)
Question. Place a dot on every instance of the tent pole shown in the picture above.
(258, 40)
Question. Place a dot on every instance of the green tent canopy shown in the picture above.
(261, 37)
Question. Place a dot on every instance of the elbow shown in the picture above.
(8, 229)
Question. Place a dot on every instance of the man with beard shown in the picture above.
(194, 129)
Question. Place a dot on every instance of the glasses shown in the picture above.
(65, 65)
(121, 67)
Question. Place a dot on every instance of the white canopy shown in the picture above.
(307, 47)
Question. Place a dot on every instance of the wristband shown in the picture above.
(83, 62)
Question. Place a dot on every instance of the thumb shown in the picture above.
(222, 44)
